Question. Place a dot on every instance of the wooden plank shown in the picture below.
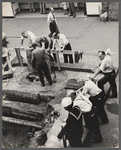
(22, 122)
(15, 113)
(13, 60)
(74, 67)
(58, 61)
(19, 56)
(7, 74)
(25, 107)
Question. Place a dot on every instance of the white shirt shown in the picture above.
(91, 88)
(83, 103)
(3, 35)
(62, 41)
(30, 36)
(106, 65)
(50, 17)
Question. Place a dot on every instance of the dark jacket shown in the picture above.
(73, 124)
(39, 56)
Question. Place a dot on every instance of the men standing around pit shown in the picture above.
(73, 129)
(90, 116)
(96, 96)
(39, 58)
(51, 19)
(107, 68)
(64, 45)
(72, 11)
(31, 39)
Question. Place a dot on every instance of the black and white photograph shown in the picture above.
(60, 74)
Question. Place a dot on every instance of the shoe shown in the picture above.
(74, 16)
(50, 83)
(34, 10)
(42, 84)
(70, 15)
(102, 123)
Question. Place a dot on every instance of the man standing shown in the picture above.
(72, 11)
(90, 116)
(73, 129)
(51, 19)
(42, 8)
(47, 46)
(97, 99)
(39, 58)
(107, 68)
(31, 39)
(64, 45)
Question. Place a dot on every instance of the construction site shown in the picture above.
(32, 115)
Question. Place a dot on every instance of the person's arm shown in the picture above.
(54, 43)
(85, 98)
(22, 39)
(64, 41)
(48, 18)
(97, 71)
(85, 91)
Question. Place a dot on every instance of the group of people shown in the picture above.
(65, 5)
(89, 102)
(45, 44)
(42, 7)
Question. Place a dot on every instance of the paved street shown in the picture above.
(85, 34)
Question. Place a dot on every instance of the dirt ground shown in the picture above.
(18, 136)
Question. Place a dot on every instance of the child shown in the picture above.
(64, 4)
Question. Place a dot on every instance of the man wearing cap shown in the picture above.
(96, 96)
(90, 116)
(64, 45)
(107, 68)
(31, 39)
(73, 129)
(39, 61)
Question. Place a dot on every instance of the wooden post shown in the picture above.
(6, 73)
(29, 58)
(58, 60)
(19, 56)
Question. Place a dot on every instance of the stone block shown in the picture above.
(114, 6)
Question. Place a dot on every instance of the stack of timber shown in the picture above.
(26, 109)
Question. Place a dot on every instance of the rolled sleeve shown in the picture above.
(102, 66)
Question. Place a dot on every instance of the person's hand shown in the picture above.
(59, 136)
(91, 77)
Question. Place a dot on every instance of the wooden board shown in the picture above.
(27, 108)
(22, 122)
(74, 67)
